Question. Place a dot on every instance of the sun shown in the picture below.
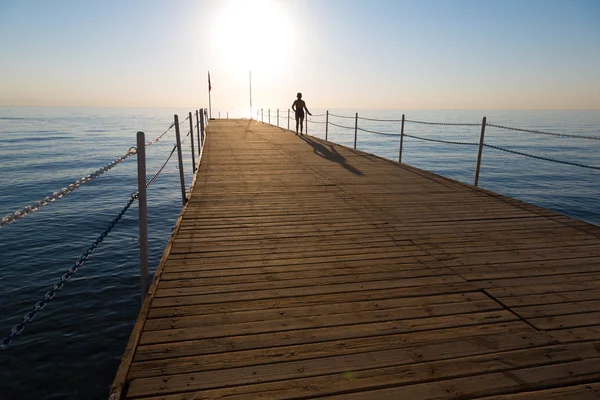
(252, 35)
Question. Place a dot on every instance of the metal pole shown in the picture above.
(250, 80)
(201, 130)
(192, 139)
(278, 117)
(269, 112)
(219, 114)
(306, 126)
(143, 212)
(355, 130)
(483, 122)
(262, 116)
(227, 114)
(288, 119)
(326, 123)
(401, 140)
(198, 131)
(179, 156)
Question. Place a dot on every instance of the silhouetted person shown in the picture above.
(299, 106)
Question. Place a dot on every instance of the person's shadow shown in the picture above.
(331, 155)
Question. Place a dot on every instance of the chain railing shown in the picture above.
(403, 134)
(140, 196)
(64, 191)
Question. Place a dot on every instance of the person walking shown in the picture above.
(299, 106)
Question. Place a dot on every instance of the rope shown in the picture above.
(64, 191)
(544, 133)
(340, 116)
(316, 122)
(160, 136)
(379, 133)
(441, 123)
(340, 126)
(541, 158)
(442, 141)
(51, 294)
(186, 118)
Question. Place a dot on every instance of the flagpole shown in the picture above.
(209, 103)
(250, 80)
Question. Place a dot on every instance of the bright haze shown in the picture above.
(396, 54)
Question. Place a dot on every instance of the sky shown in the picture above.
(360, 54)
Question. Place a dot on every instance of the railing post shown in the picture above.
(355, 130)
(288, 119)
(179, 156)
(278, 117)
(201, 130)
(219, 114)
(401, 140)
(306, 126)
(198, 132)
(262, 116)
(326, 123)
(483, 123)
(192, 139)
(143, 212)
(269, 112)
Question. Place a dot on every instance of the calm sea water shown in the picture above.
(73, 348)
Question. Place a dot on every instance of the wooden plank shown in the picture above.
(303, 269)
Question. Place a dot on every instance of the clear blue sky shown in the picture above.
(397, 54)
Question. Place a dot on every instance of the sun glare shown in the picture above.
(252, 35)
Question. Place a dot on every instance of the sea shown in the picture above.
(73, 347)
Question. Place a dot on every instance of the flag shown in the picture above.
(209, 87)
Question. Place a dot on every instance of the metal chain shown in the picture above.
(379, 133)
(64, 191)
(340, 126)
(380, 120)
(160, 136)
(441, 123)
(186, 118)
(544, 133)
(541, 158)
(51, 294)
(340, 116)
(151, 181)
(442, 141)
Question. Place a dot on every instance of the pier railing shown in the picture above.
(398, 128)
(140, 196)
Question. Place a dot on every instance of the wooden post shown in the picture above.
(202, 111)
(401, 140)
(262, 116)
(219, 114)
(326, 123)
(306, 126)
(192, 139)
(142, 212)
(288, 119)
(179, 156)
(483, 123)
(278, 117)
(355, 130)
(269, 113)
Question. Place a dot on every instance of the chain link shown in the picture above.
(51, 294)
(151, 181)
(442, 141)
(340, 116)
(340, 126)
(544, 133)
(160, 136)
(380, 120)
(10, 218)
(442, 123)
(379, 133)
(541, 158)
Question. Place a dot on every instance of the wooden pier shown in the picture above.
(302, 269)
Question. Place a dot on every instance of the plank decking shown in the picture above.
(302, 269)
